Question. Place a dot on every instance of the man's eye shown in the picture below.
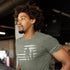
(22, 18)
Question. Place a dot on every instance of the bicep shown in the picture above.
(62, 55)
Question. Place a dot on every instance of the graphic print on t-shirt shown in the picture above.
(29, 53)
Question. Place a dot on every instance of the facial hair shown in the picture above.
(21, 31)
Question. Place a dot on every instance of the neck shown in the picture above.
(29, 34)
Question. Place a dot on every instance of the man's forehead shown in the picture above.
(22, 14)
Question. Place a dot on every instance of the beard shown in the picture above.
(21, 32)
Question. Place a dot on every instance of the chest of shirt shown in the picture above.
(30, 50)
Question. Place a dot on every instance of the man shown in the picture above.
(35, 50)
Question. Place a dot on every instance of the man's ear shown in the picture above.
(33, 21)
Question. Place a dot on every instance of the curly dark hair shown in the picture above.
(34, 12)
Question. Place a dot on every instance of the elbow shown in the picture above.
(66, 63)
(66, 66)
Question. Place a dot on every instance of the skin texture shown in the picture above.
(63, 56)
(27, 25)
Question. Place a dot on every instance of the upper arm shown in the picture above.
(62, 56)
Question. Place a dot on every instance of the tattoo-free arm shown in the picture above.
(63, 56)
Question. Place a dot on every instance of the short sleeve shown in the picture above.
(52, 44)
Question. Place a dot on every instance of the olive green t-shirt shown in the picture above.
(36, 53)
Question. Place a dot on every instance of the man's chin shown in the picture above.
(21, 32)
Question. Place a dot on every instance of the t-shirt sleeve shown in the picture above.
(52, 44)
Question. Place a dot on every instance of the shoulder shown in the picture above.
(42, 34)
(46, 36)
(48, 39)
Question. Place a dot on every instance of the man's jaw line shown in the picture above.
(21, 32)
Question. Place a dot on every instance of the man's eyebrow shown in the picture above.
(22, 16)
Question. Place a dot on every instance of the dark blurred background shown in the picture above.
(57, 21)
(56, 13)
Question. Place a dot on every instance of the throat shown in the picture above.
(29, 35)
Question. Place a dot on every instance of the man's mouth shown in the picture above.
(20, 27)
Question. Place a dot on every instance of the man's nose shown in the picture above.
(19, 23)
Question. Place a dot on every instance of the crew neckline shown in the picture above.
(32, 37)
